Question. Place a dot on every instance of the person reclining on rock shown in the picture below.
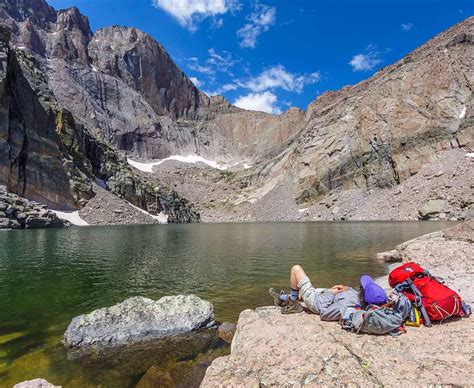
(329, 303)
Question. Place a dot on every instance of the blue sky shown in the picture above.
(272, 54)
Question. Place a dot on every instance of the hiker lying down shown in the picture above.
(329, 303)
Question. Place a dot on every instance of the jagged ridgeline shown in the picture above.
(47, 156)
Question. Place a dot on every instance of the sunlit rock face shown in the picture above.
(143, 64)
(385, 129)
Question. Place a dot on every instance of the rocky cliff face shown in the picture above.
(382, 131)
(47, 156)
(33, 163)
(144, 65)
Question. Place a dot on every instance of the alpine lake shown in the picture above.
(49, 276)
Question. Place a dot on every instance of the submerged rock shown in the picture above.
(226, 331)
(183, 372)
(163, 354)
(139, 319)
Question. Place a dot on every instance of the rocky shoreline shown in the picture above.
(272, 349)
(19, 213)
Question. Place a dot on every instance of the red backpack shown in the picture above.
(439, 301)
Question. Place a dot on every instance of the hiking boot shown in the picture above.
(275, 294)
(293, 307)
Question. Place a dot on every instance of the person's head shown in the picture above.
(371, 292)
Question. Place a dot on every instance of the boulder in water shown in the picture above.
(36, 383)
(139, 319)
(392, 256)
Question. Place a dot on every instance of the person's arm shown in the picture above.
(338, 288)
(332, 311)
(326, 306)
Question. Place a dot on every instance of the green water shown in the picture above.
(49, 276)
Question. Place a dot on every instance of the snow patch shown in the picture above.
(73, 217)
(21, 48)
(192, 159)
(463, 113)
(146, 167)
(93, 68)
(162, 217)
(470, 155)
(302, 210)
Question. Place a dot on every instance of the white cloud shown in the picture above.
(221, 90)
(258, 22)
(222, 62)
(189, 12)
(406, 26)
(218, 23)
(204, 69)
(196, 82)
(216, 62)
(264, 102)
(367, 60)
(277, 77)
(287, 22)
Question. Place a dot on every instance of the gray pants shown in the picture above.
(323, 302)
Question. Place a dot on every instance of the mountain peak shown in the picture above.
(141, 62)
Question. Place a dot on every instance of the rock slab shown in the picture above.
(432, 208)
(139, 319)
(392, 256)
(271, 349)
(36, 383)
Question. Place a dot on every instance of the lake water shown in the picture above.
(49, 276)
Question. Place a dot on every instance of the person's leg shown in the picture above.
(314, 298)
(300, 288)
(296, 276)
